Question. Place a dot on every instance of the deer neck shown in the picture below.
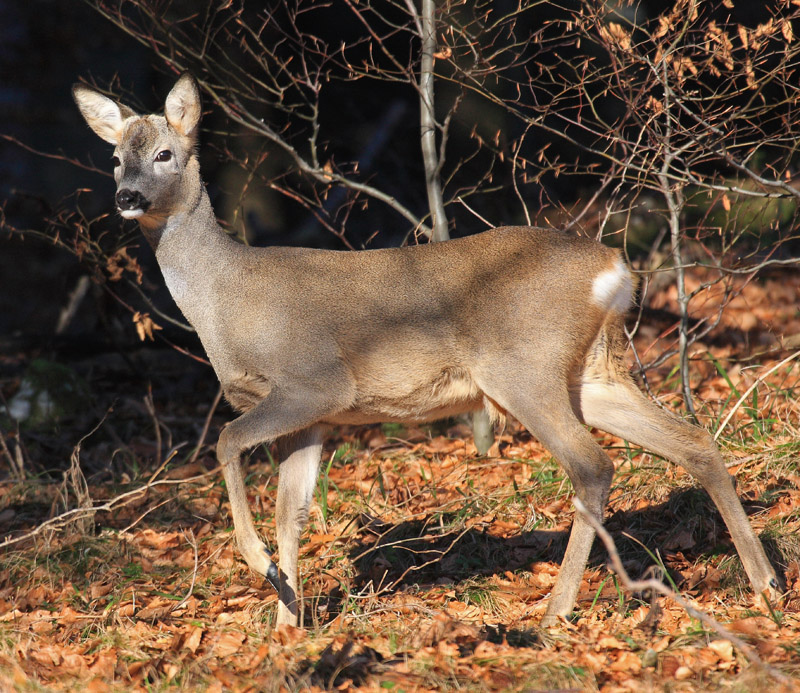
(191, 249)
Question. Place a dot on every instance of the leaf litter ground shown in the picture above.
(426, 566)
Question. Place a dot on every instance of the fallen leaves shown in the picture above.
(192, 639)
(429, 567)
(285, 634)
(227, 644)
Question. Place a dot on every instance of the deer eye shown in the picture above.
(115, 161)
(165, 155)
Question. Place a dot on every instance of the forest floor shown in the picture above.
(425, 565)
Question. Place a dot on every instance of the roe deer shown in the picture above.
(518, 320)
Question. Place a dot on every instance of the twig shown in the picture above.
(642, 371)
(381, 588)
(73, 303)
(514, 176)
(166, 461)
(58, 522)
(144, 515)
(658, 586)
(747, 392)
(193, 543)
(206, 425)
(151, 409)
(15, 462)
(57, 157)
(75, 481)
(675, 199)
(246, 119)
(158, 471)
(488, 223)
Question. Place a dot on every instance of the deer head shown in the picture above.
(154, 159)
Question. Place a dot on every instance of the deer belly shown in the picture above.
(449, 393)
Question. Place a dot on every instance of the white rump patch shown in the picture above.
(612, 289)
(131, 213)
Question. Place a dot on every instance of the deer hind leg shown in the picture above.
(611, 401)
(547, 413)
(299, 454)
(591, 472)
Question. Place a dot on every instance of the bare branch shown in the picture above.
(64, 519)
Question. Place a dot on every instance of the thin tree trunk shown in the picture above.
(675, 204)
(481, 425)
(427, 118)
(673, 194)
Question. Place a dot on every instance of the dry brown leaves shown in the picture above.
(428, 567)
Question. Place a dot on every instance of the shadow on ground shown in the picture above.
(681, 531)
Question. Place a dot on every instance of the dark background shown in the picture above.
(45, 46)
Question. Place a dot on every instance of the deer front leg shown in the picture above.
(253, 550)
(279, 414)
(299, 454)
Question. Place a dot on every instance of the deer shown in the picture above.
(517, 320)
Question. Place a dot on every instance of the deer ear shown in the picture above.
(182, 107)
(103, 115)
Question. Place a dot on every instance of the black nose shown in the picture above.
(130, 199)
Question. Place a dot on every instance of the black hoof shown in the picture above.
(273, 577)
